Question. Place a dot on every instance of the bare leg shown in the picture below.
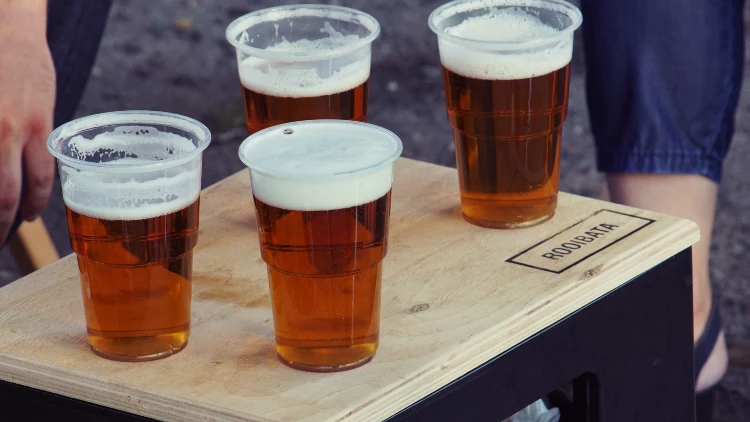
(692, 197)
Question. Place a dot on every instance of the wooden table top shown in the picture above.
(454, 296)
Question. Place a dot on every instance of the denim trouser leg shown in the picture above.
(663, 79)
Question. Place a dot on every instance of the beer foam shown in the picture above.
(506, 25)
(321, 166)
(130, 196)
(135, 142)
(237, 28)
(300, 79)
(116, 197)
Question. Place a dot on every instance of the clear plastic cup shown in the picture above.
(506, 68)
(131, 183)
(322, 192)
(303, 62)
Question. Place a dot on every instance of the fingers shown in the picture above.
(39, 169)
(39, 172)
(10, 179)
(24, 165)
(27, 100)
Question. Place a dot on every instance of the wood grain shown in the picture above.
(450, 302)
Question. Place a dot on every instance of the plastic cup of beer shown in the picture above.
(322, 192)
(131, 185)
(303, 62)
(506, 72)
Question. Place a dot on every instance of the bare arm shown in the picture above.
(27, 100)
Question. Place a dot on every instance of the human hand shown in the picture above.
(27, 101)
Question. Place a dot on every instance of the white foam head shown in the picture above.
(320, 165)
(130, 144)
(129, 171)
(303, 50)
(362, 29)
(297, 80)
(496, 45)
(134, 197)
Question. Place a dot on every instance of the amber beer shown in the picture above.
(264, 109)
(131, 186)
(322, 192)
(324, 271)
(507, 104)
(508, 135)
(136, 275)
(303, 62)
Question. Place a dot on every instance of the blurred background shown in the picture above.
(172, 56)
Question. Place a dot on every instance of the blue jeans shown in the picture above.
(74, 30)
(663, 79)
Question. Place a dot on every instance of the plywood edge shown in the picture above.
(671, 237)
(109, 394)
(681, 235)
(688, 228)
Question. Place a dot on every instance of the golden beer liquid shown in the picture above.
(136, 282)
(263, 110)
(507, 135)
(325, 270)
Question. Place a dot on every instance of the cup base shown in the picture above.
(506, 225)
(324, 369)
(143, 358)
(148, 346)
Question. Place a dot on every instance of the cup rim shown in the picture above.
(255, 167)
(559, 5)
(361, 17)
(128, 117)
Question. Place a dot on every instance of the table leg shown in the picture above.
(629, 355)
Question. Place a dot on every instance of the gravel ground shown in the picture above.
(172, 56)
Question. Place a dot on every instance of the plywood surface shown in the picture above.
(451, 301)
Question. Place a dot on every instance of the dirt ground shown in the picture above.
(172, 56)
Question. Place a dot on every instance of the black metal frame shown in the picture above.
(628, 356)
